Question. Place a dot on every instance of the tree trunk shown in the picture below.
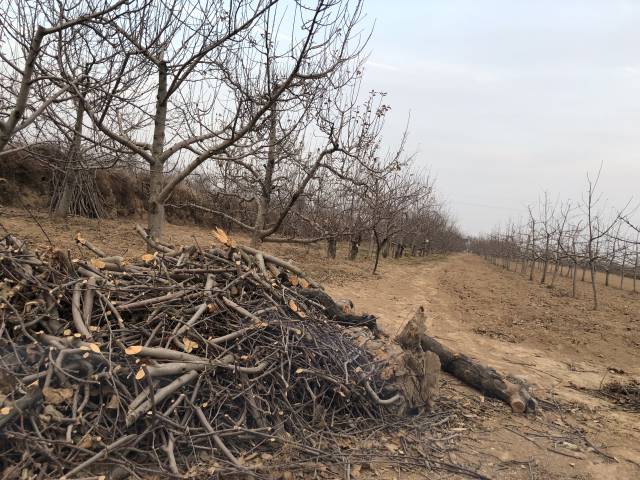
(156, 207)
(533, 266)
(385, 248)
(332, 245)
(545, 264)
(354, 245)
(264, 200)
(593, 285)
(483, 378)
(624, 260)
(573, 280)
(379, 246)
(260, 222)
(63, 207)
(635, 270)
(156, 168)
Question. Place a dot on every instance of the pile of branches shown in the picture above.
(625, 394)
(186, 355)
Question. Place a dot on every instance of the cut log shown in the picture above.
(336, 311)
(483, 378)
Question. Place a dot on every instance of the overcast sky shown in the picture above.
(511, 98)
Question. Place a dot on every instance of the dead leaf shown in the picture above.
(114, 403)
(49, 413)
(189, 345)
(56, 396)
(293, 280)
(223, 238)
(303, 283)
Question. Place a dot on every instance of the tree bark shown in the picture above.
(593, 284)
(264, 200)
(332, 245)
(156, 170)
(354, 245)
(385, 248)
(70, 171)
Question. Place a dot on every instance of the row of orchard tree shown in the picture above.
(257, 103)
(583, 241)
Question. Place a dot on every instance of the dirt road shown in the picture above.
(557, 344)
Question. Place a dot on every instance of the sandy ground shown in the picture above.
(557, 344)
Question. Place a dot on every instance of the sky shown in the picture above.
(509, 99)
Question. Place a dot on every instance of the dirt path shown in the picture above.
(555, 343)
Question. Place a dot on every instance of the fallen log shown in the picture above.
(481, 377)
(336, 313)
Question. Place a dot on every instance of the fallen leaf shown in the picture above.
(56, 396)
(49, 413)
(223, 238)
(189, 345)
(303, 283)
(113, 403)
(293, 280)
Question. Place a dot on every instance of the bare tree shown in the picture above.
(28, 30)
(188, 81)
